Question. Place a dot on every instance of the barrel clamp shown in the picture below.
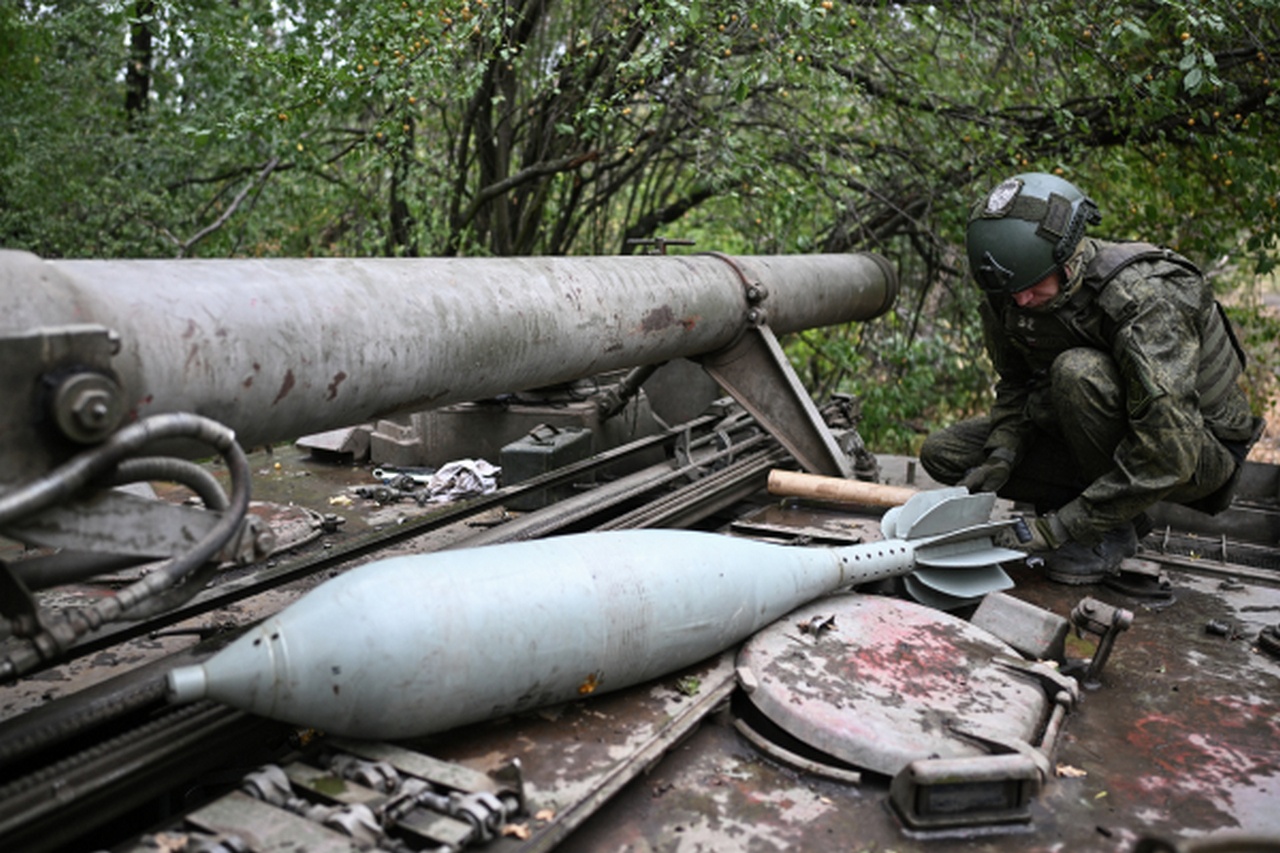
(756, 372)
(754, 290)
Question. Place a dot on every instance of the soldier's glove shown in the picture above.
(991, 475)
(1047, 534)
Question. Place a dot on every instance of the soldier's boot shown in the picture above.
(1075, 563)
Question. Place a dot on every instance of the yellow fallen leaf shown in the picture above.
(1066, 770)
(516, 830)
(1099, 795)
(545, 815)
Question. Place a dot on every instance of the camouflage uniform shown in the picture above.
(1120, 393)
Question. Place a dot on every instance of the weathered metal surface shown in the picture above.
(1037, 633)
(1181, 742)
(280, 348)
(576, 757)
(789, 521)
(1183, 734)
(890, 682)
(115, 522)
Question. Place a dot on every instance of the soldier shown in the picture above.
(1117, 380)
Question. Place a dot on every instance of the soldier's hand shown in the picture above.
(990, 476)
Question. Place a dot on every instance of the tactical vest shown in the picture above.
(1040, 338)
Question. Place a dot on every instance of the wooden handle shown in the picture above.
(794, 484)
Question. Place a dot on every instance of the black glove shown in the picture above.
(991, 475)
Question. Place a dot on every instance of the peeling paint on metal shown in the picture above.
(285, 387)
(338, 379)
(658, 319)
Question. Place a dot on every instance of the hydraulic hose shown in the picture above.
(62, 629)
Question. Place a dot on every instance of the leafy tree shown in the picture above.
(336, 127)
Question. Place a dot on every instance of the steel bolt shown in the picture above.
(87, 406)
(92, 409)
(1218, 627)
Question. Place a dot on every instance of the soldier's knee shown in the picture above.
(931, 452)
(1086, 369)
(948, 453)
(939, 466)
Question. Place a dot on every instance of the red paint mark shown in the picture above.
(1223, 743)
(337, 380)
(285, 387)
(913, 660)
(1199, 751)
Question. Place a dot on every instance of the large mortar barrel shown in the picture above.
(280, 348)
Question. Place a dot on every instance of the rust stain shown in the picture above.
(337, 380)
(589, 685)
(664, 318)
(658, 319)
(285, 387)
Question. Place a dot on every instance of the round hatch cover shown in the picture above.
(880, 682)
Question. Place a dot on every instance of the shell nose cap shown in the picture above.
(187, 683)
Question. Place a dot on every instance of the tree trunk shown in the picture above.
(137, 75)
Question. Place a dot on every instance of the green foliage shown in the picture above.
(137, 128)
(1258, 332)
(908, 382)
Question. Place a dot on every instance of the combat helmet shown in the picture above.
(1026, 228)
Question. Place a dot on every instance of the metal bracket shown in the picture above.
(54, 379)
(1107, 622)
(758, 375)
(756, 372)
(952, 794)
(947, 794)
(119, 523)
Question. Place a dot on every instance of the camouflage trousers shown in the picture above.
(1080, 418)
